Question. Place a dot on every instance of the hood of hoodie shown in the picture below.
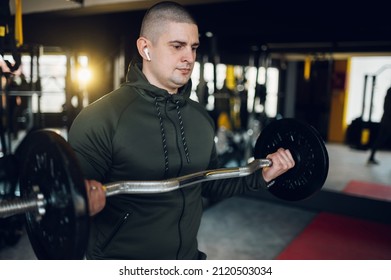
(136, 78)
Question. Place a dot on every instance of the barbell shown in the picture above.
(54, 199)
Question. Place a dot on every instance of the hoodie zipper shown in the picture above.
(115, 230)
(180, 190)
(179, 224)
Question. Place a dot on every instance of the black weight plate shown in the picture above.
(50, 167)
(307, 149)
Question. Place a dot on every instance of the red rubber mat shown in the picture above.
(336, 237)
(373, 190)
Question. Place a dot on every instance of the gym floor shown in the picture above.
(253, 228)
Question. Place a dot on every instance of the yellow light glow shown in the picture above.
(307, 68)
(84, 76)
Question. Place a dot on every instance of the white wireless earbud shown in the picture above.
(147, 54)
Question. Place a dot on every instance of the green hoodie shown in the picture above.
(141, 132)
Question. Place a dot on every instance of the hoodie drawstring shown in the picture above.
(164, 141)
(184, 143)
(163, 135)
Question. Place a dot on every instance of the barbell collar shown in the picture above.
(151, 187)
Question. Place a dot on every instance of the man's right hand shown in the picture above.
(96, 196)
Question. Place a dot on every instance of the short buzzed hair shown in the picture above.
(159, 15)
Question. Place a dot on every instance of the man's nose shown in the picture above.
(189, 55)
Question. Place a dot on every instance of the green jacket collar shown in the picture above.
(136, 78)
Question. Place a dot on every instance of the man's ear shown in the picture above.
(142, 44)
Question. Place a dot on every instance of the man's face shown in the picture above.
(173, 56)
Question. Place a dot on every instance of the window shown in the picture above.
(251, 79)
(372, 66)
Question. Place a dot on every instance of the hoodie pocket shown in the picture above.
(115, 230)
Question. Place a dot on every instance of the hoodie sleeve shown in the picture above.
(90, 139)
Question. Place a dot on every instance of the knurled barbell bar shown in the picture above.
(54, 199)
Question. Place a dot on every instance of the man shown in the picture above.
(384, 133)
(149, 129)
